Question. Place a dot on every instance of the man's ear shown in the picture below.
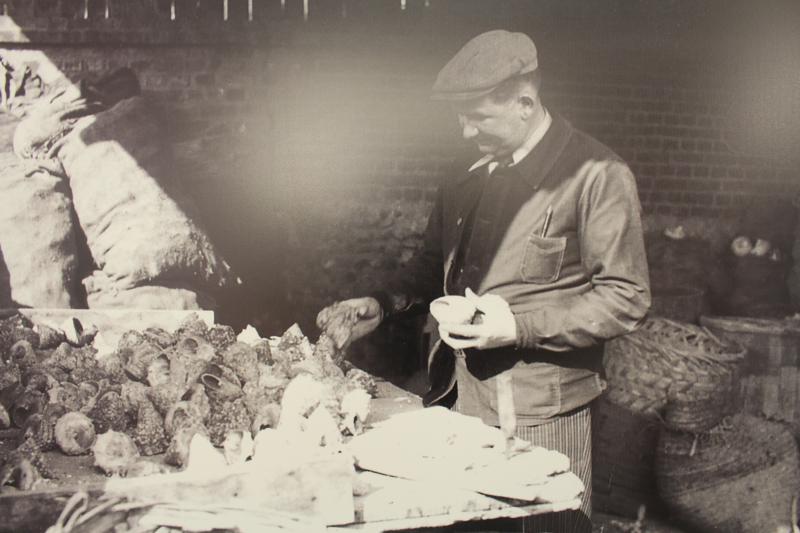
(527, 104)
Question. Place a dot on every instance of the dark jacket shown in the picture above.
(581, 283)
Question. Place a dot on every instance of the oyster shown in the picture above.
(139, 358)
(159, 337)
(30, 402)
(149, 433)
(66, 394)
(158, 371)
(49, 338)
(263, 351)
(238, 447)
(227, 416)
(221, 337)
(221, 382)
(192, 325)
(243, 360)
(114, 453)
(179, 446)
(20, 472)
(75, 433)
(23, 354)
(109, 412)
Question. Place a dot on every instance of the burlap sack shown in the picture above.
(104, 293)
(137, 221)
(37, 238)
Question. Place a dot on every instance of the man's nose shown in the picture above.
(468, 131)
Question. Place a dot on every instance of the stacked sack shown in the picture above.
(715, 469)
(38, 241)
(664, 362)
(108, 143)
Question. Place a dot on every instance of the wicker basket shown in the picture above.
(738, 478)
(669, 361)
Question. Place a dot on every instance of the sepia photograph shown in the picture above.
(423, 266)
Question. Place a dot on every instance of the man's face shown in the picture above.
(498, 128)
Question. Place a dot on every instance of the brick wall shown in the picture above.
(312, 147)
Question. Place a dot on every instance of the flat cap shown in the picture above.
(484, 63)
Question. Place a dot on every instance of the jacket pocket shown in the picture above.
(537, 390)
(542, 260)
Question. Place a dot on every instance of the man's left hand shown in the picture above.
(496, 328)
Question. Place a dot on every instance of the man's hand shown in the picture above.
(367, 311)
(496, 326)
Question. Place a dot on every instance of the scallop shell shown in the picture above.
(227, 416)
(149, 433)
(75, 433)
(115, 453)
(242, 359)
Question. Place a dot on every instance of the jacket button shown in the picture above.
(459, 221)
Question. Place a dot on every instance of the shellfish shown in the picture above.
(114, 453)
(243, 360)
(149, 431)
(75, 433)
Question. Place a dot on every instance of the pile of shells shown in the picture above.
(157, 390)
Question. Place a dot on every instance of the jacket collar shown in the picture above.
(534, 167)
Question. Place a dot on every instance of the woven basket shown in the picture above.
(741, 477)
(669, 361)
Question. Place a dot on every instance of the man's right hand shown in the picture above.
(368, 312)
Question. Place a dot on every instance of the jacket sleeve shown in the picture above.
(422, 278)
(613, 255)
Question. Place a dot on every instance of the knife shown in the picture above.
(506, 411)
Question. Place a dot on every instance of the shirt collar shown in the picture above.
(520, 153)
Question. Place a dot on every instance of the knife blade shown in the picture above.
(506, 411)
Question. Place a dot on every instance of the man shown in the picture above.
(547, 225)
